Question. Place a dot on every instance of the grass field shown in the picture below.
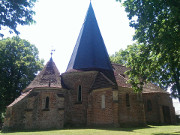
(150, 130)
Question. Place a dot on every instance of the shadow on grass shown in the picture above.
(26, 130)
(175, 133)
(128, 129)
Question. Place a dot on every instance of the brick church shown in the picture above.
(92, 92)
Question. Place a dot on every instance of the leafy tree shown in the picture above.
(157, 25)
(145, 67)
(131, 57)
(120, 57)
(19, 63)
(14, 12)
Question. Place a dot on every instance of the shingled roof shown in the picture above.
(48, 77)
(121, 79)
(21, 97)
(90, 52)
(101, 81)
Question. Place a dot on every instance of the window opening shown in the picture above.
(79, 93)
(47, 103)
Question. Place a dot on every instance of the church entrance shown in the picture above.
(166, 114)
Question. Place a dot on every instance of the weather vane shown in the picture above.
(53, 50)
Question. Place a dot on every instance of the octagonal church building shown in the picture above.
(92, 92)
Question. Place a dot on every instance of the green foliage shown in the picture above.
(157, 25)
(120, 57)
(19, 63)
(132, 58)
(14, 12)
(2, 116)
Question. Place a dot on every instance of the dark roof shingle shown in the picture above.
(121, 79)
(90, 53)
(48, 77)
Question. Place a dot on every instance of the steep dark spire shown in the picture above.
(90, 52)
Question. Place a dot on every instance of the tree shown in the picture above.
(132, 58)
(157, 25)
(19, 64)
(14, 12)
(120, 57)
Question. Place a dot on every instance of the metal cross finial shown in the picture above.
(52, 52)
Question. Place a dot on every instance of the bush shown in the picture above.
(2, 116)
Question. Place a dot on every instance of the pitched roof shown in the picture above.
(90, 52)
(22, 96)
(152, 88)
(121, 79)
(101, 81)
(48, 77)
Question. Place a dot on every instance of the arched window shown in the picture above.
(127, 100)
(149, 105)
(79, 96)
(47, 103)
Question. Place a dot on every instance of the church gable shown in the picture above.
(101, 81)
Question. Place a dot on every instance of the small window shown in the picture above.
(79, 98)
(149, 105)
(47, 103)
(127, 100)
(103, 101)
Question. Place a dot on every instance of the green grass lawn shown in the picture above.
(150, 130)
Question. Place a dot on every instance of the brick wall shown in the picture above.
(158, 100)
(30, 112)
(76, 112)
(99, 114)
(53, 116)
(132, 114)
